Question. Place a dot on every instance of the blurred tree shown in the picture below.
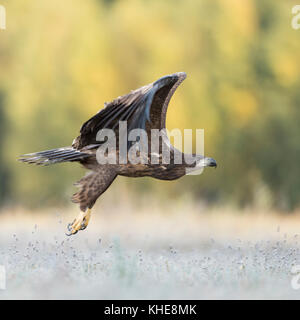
(60, 61)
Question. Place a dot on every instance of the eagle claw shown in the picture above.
(80, 223)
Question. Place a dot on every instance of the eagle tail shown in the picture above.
(53, 156)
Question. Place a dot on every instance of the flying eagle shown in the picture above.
(145, 109)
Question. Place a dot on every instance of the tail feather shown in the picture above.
(53, 156)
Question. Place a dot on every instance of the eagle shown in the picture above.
(142, 109)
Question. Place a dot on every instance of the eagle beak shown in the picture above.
(210, 162)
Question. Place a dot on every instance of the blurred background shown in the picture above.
(61, 60)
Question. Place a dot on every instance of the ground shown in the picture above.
(186, 252)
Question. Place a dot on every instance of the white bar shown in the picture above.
(2, 277)
(2, 17)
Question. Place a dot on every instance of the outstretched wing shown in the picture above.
(146, 104)
(92, 185)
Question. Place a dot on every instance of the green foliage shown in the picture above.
(60, 60)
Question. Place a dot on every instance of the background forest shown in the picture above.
(61, 60)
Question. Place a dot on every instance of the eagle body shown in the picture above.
(144, 108)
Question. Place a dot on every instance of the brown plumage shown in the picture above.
(144, 108)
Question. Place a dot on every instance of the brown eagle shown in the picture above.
(145, 109)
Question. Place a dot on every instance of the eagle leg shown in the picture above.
(91, 187)
(80, 223)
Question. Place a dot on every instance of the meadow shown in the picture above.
(178, 252)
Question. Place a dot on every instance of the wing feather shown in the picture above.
(147, 104)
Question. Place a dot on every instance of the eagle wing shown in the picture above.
(146, 104)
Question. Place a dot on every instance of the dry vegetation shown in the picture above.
(180, 252)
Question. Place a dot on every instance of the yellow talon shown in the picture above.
(80, 223)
